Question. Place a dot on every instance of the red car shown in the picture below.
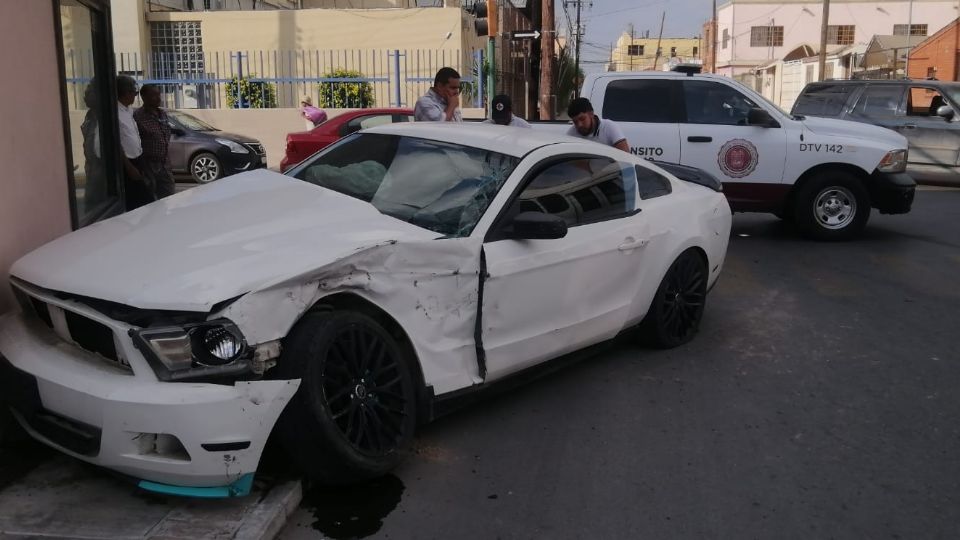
(304, 144)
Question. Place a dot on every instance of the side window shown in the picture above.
(652, 184)
(823, 100)
(715, 103)
(402, 118)
(923, 101)
(879, 100)
(581, 191)
(364, 122)
(638, 100)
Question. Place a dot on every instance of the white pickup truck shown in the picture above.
(824, 174)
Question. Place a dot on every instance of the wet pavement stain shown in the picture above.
(357, 511)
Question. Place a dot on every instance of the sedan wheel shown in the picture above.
(677, 308)
(354, 413)
(205, 168)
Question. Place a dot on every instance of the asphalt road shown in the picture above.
(821, 400)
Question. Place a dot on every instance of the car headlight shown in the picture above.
(209, 349)
(894, 161)
(234, 146)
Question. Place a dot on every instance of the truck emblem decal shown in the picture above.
(738, 158)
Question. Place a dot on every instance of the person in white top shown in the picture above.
(588, 125)
(137, 191)
(502, 113)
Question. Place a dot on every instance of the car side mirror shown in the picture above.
(537, 226)
(946, 112)
(760, 117)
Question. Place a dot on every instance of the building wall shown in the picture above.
(940, 53)
(34, 208)
(623, 61)
(801, 22)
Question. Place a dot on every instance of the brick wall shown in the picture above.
(937, 56)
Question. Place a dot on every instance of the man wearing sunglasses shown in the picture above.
(442, 102)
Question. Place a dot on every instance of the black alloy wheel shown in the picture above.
(355, 411)
(677, 308)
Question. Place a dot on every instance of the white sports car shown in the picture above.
(343, 303)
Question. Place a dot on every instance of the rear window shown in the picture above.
(823, 100)
(638, 100)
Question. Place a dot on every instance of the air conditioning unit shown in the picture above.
(189, 96)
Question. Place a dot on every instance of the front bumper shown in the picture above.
(892, 193)
(184, 435)
(238, 163)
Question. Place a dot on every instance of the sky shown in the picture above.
(606, 19)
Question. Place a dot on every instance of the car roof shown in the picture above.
(511, 141)
(659, 75)
(899, 82)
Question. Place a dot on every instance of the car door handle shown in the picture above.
(631, 244)
(696, 138)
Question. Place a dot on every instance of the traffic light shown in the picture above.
(486, 14)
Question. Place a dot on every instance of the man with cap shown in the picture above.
(502, 113)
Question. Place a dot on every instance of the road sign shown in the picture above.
(525, 34)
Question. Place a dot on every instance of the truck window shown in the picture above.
(823, 99)
(715, 103)
(924, 101)
(879, 101)
(638, 100)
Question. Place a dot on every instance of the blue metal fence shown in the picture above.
(388, 78)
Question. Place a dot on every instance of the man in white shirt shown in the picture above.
(442, 102)
(137, 190)
(502, 113)
(588, 125)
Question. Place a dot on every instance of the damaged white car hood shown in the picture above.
(212, 243)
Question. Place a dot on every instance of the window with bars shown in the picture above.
(766, 36)
(177, 49)
(840, 34)
(635, 50)
(915, 29)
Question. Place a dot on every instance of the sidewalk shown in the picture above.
(64, 498)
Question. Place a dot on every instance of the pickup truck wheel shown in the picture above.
(677, 307)
(832, 206)
(354, 413)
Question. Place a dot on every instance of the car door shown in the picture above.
(879, 104)
(176, 152)
(647, 112)
(934, 140)
(545, 298)
(717, 137)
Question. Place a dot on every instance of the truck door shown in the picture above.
(716, 137)
(934, 140)
(648, 112)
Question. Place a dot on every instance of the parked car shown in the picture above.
(206, 153)
(304, 144)
(925, 112)
(396, 271)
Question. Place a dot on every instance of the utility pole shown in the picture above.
(822, 64)
(656, 57)
(906, 69)
(713, 39)
(548, 34)
(578, 37)
(631, 46)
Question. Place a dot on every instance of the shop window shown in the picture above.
(90, 111)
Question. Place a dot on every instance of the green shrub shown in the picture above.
(244, 94)
(346, 95)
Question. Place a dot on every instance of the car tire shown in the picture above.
(354, 414)
(205, 168)
(832, 206)
(677, 307)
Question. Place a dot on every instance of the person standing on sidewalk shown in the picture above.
(442, 102)
(154, 129)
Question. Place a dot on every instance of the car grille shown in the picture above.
(257, 148)
(86, 333)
